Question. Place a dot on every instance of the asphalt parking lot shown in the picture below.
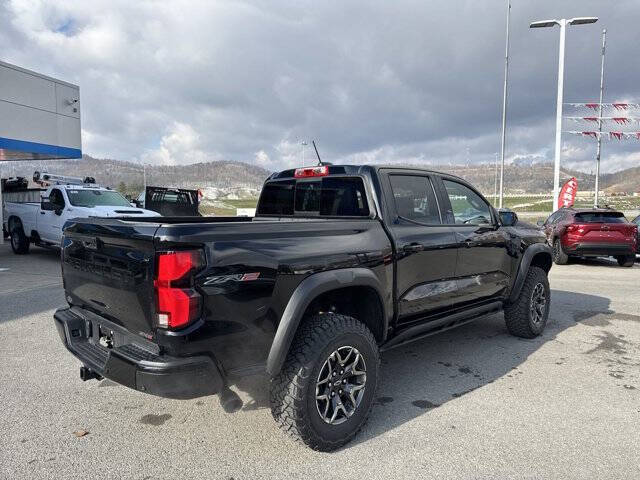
(473, 402)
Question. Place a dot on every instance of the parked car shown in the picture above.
(591, 232)
(637, 222)
(340, 263)
(41, 222)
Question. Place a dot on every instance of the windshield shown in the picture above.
(96, 198)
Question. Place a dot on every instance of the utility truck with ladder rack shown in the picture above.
(64, 199)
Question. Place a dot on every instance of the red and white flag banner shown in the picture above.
(605, 120)
(606, 135)
(620, 106)
(568, 193)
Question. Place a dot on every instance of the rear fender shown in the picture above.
(309, 289)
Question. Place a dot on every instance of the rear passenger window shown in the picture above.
(414, 199)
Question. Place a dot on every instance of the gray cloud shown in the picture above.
(413, 81)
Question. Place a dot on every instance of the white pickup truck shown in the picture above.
(41, 223)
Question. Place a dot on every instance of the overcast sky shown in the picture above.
(378, 81)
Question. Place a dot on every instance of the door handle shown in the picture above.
(42, 213)
(413, 247)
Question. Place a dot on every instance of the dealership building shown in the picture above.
(39, 117)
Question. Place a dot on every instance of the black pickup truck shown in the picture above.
(339, 264)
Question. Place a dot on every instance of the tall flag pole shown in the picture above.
(599, 149)
(504, 104)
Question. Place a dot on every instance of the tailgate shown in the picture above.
(607, 232)
(604, 227)
(108, 268)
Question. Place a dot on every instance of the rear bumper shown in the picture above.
(592, 249)
(133, 363)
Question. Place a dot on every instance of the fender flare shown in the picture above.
(304, 294)
(523, 268)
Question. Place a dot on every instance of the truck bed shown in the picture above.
(109, 268)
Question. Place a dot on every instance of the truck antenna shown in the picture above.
(317, 154)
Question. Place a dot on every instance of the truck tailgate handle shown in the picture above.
(413, 247)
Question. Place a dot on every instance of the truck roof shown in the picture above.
(358, 169)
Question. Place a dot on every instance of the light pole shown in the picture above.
(495, 184)
(304, 144)
(504, 104)
(562, 23)
(595, 199)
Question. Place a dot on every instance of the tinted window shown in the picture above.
(327, 197)
(56, 198)
(308, 197)
(467, 206)
(414, 198)
(343, 197)
(600, 217)
(277, 199)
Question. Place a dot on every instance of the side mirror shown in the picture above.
(540, 223)
(58, 210)
(507, 218)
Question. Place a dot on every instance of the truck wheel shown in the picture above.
(559, 257)
(324, 392)
(527, 316)
(626, 260)
(19, 241)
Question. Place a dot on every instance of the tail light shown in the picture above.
(575, 228)
(177, 302)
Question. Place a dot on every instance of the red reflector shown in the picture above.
(305, 172)
(177, 303)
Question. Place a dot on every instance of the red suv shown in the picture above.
(595, 232)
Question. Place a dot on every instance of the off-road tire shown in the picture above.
(626, 260)
(559, 257)
(293, 390)
(19, 241)
(518, 315)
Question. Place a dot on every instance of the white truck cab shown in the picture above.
(42, 223)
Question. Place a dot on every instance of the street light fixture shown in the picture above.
(562, 23)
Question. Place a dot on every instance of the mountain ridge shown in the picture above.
(535, 179)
